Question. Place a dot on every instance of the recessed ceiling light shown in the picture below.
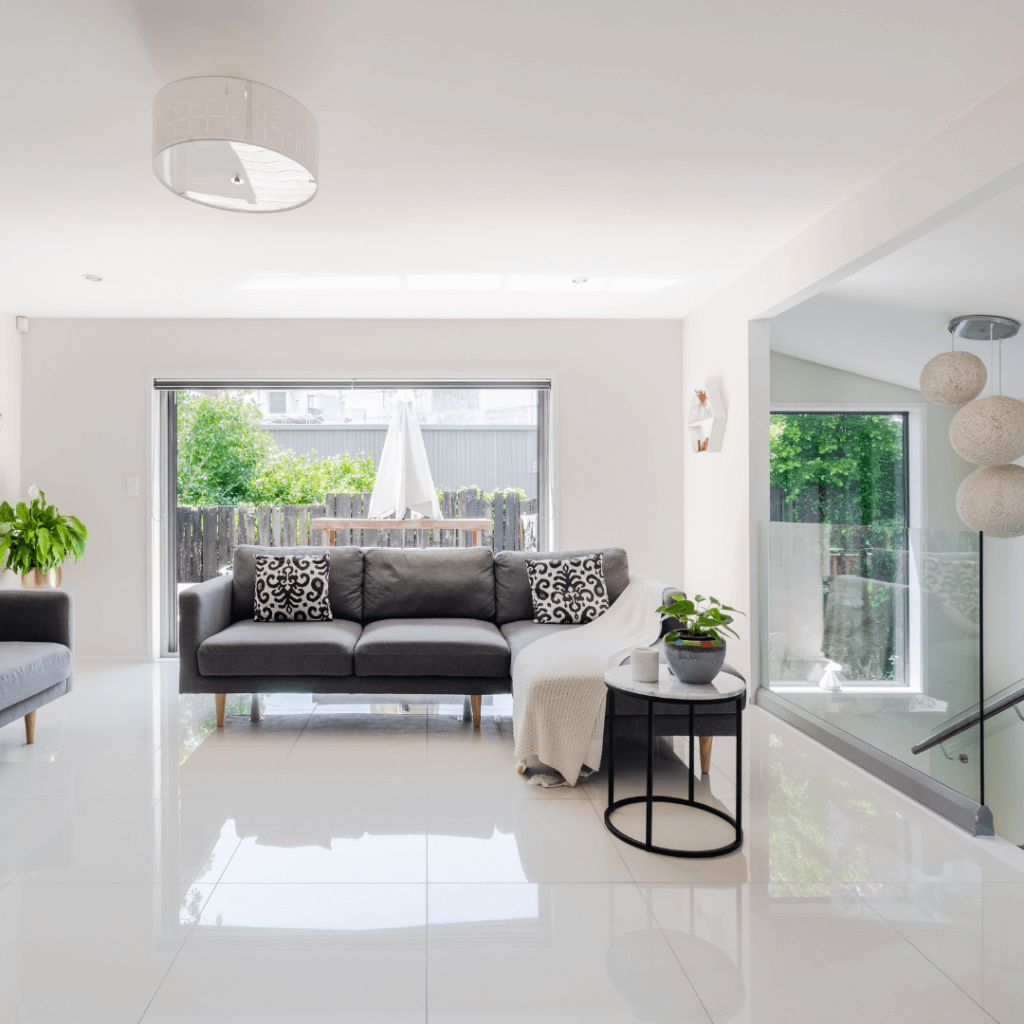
(92, 277)
(579, 280)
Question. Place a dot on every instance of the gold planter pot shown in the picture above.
(36, 578)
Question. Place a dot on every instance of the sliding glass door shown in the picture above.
(258, 461)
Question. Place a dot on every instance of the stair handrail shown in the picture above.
(1006, 698)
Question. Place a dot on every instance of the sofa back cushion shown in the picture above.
(344, 585)
(428, 583)
(513, 601)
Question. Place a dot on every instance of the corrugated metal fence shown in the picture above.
(207, 537)
(459, 456)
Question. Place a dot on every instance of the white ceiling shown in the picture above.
(974, 264)
(522, 143)
(888, 320)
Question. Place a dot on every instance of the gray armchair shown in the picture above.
(37, 642)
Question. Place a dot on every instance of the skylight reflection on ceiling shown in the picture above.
(531, 283)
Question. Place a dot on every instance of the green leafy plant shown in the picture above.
(37, 536)
(701, 618)
(289, 479)
(837, 467)
(225, 457)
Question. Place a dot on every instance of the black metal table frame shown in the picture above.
(650, 799)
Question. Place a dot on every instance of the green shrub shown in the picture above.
(289, 479)
(225, 457)
(221, 448)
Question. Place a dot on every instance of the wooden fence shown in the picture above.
(207, 537)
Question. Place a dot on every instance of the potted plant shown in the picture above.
(696, 650)
(36, 539)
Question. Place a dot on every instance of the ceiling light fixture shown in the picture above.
(92, 277)
(579, 280)
(234, 145)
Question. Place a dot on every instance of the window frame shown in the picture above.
(163, 536)
(916, 484)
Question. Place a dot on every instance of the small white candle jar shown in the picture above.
(644, 662)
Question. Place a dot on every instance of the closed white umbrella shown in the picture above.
(403, 480)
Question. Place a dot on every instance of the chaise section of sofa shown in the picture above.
(37, 642)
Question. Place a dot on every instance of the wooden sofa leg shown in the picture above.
(30, 727)
(705, 754)
(222, 697)
(475, 701)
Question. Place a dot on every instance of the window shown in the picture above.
(846, 475)
(258, 461)
(839, 467)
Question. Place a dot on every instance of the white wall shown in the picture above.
(87, 425)
(727, 339)
(797, 380)
(10, 421)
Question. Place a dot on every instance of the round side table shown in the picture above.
(724, 689)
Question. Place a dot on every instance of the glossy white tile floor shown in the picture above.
(351, 864)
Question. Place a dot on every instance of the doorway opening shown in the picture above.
(249, 462)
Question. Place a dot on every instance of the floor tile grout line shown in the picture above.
(291, 749)
(675, 956)
(920, 952)
(174, 959)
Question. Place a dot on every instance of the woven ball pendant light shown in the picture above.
(989, 431)
(953, 378)
(991, 499)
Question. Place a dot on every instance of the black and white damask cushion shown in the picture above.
(292, 588)
(568, 590)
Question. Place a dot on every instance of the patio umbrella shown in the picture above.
(404, 481)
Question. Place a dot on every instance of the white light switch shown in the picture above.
(133, 487)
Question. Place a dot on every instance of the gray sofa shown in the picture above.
(437, 620)
(37, 641)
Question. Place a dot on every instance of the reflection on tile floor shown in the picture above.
(384, 861)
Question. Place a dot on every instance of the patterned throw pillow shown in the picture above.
(568, 590)
(292, 588)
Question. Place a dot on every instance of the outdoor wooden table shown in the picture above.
(330, 526)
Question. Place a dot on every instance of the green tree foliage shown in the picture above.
(225, 457)
(221, 448)
(838, 467)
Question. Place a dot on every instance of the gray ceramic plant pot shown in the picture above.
(695, 664)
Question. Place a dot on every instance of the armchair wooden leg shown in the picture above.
(30, 727)
(221, 698)
(705, 754)
(475, 701)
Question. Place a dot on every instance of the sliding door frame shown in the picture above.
(166, 389)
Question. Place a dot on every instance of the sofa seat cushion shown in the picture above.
(29, 668)
(523, 633)
(280, 649)
(432, 647)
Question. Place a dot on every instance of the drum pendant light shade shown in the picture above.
(953, 378)
(234, 145)
(992, 499)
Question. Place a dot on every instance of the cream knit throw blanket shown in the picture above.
(558, 681)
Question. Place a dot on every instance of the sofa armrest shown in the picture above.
(203, 610)
(38, 616)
